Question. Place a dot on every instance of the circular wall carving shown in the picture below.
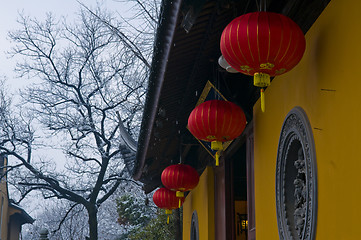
(296, 179)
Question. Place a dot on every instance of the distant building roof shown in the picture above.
(21, 215)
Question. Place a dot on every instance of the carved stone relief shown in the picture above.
(296, 179)
(194, 226)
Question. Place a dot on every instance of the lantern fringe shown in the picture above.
(179, 195)
(168, 212)
(263, 102)
(218, 146)
(217, 158)
(262, 80)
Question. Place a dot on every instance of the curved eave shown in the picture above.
(163, 42)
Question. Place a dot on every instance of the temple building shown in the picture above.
(295, 164)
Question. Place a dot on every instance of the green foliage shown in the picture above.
(132, 211)
(156, 229)
(142, 222)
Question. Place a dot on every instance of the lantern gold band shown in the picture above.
(168, 211)
(179, 194)
(261, 80)
(216, 145)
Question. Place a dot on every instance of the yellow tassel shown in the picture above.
(263, 103)
(179, 195)
(168, 212)
(218, 146)
(217, 158)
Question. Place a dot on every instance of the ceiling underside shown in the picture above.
(191, 63)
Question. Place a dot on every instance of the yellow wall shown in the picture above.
(4, 203)
(201, 199)
(325, 84)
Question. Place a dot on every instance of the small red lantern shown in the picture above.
(166, 199)
(262, 44)
(217, 121)
(180, 178)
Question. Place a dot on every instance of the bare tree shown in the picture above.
(74, 226)
(71, 227)
(90, 79)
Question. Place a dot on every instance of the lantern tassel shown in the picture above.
(263, 103)
(217, 158)
(168, 212)
(218, 146)
(180, 195)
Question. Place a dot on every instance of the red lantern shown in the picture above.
(262, 44)
(180, 178)
(217, 121)
(166, 199)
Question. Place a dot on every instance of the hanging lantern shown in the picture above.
(166, 199)
(180, 178)
(217, 121)
(262, 44)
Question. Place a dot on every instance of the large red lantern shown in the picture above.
(166, 199)
(180, 178)
(217, 121)
(262, 44)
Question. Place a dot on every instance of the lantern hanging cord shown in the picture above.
(262, 6)
(180, 152)
(265, 5)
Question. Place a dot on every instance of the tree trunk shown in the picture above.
(93, 222)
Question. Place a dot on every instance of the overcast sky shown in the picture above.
(9, 12)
